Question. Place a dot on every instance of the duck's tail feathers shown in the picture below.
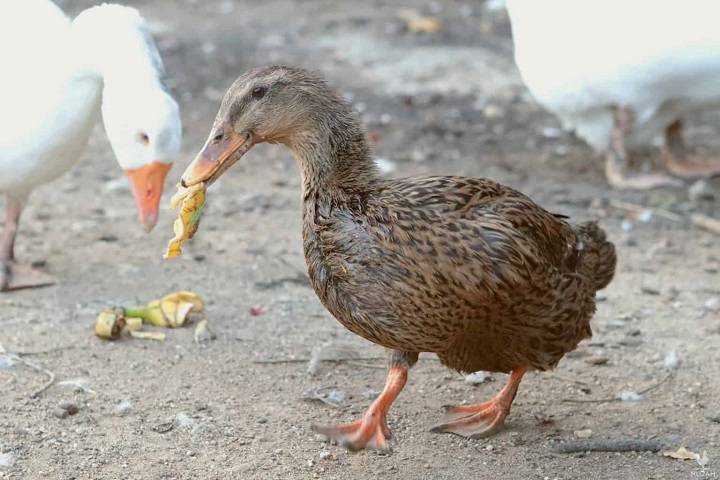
(597, 254)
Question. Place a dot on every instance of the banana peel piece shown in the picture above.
(172, 311)
(192, 200)
(110, 323)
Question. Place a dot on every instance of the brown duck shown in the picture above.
(469, 269)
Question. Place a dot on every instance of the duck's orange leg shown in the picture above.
(371, 431)
(483, 419)
(677, 159)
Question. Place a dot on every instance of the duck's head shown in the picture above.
(275, 104)
(141, 119)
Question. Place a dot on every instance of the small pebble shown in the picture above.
(59, 412)
(123, 408)
(584, 433)
(597, 360)
(701, 190)
(69, 407)
(477, 378)
(671, 360)
(628, 396)
(712, 304)
(6, 460)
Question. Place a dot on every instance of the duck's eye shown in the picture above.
(143, 138)
(258, 92)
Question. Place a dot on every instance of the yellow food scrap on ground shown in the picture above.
(185, 226)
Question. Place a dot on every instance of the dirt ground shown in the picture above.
(449, 102)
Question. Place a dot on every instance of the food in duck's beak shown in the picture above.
(188, 221)
(223, 148)
(147, 187)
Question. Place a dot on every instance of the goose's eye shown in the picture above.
(258, 92)
(143, 138)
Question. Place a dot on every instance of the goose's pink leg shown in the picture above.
(617, 161)
(12, 275)
(679, 161)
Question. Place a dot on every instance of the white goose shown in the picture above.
(59, 77)
(620, 72)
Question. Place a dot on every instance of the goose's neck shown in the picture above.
(334, 158)
(115, 50)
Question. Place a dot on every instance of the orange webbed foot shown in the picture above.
(475, 421)
(371, 431)
(483, 419)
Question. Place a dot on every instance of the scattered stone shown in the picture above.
(59, 412)
(324, 455)
(712, 304)
(7, 460)
(671, 360)
(65, 409)
(597, 360)
(701, 190)
(123, 407)
(476, 378)
(629, 396)
(584, 433)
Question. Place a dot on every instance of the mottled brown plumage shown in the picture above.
(466, 268)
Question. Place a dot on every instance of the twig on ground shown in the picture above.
(566, 379)
(273, 361)
(660, 212)
(34, 366)
(707, 223)
(617, 399)
(621, 445)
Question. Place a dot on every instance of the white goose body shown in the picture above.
(581, 59)
(59, 77)
(49, 105)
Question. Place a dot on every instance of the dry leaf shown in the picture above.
(683, 453)
(203, 333)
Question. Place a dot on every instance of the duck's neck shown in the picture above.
(334, 157)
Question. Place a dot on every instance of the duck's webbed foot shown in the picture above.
(617, 161)
(679, 161)
(372, 431)
(483, 419)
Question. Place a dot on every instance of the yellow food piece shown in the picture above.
(173, 310)
(133, 324)
(158, 336)
(109, 324)
(185, 226)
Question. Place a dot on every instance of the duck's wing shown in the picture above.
(479, 219)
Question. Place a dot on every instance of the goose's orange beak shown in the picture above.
(223, 148)
(147, 186)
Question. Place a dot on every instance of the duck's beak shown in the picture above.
(147, 186)
(222, 149)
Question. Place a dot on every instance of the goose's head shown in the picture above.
(141, 119)
(145, 133)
